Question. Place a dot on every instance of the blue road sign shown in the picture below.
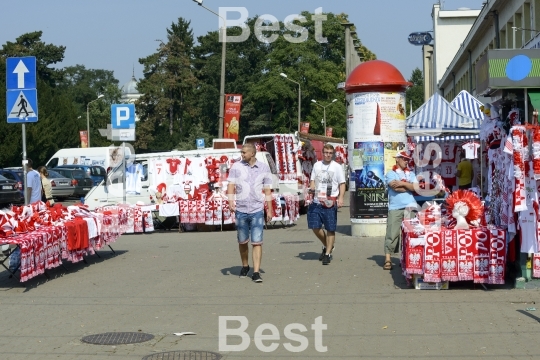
(200, 143)
(21, 106)
(21, 73)
(123, 116)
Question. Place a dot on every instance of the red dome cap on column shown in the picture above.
(376, 75)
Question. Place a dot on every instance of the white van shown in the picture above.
(107, 157)
(183, 173)
(293, 185)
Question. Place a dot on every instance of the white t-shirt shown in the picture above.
(448, 151)
(159, 171)
(33, 180)
(471, 150)
(323, 174)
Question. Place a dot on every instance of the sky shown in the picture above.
(114, 34)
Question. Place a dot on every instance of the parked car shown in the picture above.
(15, 174)
(81, 182)
(9, 191)
(97, 173)
(62, 186)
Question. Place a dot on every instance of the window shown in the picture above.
(53, 163)
(9, 176)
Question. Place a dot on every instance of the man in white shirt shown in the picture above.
(328, 186)
(33, 183)
(33, 194)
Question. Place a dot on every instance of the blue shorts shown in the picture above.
(318, 216)
(250, 226)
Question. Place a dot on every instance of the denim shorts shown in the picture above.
(250, 226)
(318, 216)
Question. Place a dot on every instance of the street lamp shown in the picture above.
(223, 52)
(324, 111)
(299, 99)
(88, 117)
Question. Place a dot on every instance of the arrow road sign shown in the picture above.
(21, 73)
(21, 106)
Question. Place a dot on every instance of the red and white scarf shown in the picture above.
(404, 175)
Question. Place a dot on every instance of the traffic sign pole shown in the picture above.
(21, 100)
(24, 162)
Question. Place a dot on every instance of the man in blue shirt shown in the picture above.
(400, 182)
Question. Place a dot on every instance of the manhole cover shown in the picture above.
(297, 242)
(184, 355)
(117, 338)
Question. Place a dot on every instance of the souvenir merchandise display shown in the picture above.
(48, 235)
(307, 159)
(285, 157)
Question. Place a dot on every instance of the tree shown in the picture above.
(415, 93)
(30, 44)
(168, 87)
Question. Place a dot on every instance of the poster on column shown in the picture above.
(370, 199)
(304, 127)
(231, 122)
(376, 117)
(390, 151)
(84, 138)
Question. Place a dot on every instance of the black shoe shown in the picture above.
(324, 252)
(244, 271)
(256, 277)
(326, 259)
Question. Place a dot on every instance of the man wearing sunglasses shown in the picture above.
(328, 186)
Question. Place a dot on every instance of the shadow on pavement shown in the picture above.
(344, 230)
(397, 276)
(529, 315)
(68, 268)
(308, 256)
(235, 271)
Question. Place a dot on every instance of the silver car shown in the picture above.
(61, 186)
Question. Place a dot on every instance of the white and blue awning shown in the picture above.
(438, 118)
(447, 138)
(469, 105)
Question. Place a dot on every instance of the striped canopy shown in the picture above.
(446, 138)
(469, 105)
(438, 118)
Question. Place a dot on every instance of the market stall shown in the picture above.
(438, 132)
(47, 236)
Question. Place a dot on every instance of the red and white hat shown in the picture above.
(403, 154)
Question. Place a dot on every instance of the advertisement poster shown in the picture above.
(376, 117)
(84, 138)
(370, 198)
(231, 122)
(329, 132)
(304, 127)
(390, 150)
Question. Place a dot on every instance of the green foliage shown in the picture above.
(181, 88)
(416, 92)
(168, 87)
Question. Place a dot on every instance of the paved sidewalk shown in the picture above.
(169, 282)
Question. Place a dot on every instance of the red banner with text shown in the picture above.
(304, 128)
(231, 121)
(84, 138)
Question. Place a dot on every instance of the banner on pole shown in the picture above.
(84, 138)
(231, 121)
(304, 128)
(329, 131)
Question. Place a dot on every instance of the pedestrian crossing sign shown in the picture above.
(21, 106)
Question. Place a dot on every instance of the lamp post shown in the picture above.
(299, 99)
(223, 53)
(324, 111)
(88, 117)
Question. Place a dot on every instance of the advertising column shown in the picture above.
(375, 132)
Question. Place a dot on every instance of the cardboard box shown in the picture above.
(419, 284)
